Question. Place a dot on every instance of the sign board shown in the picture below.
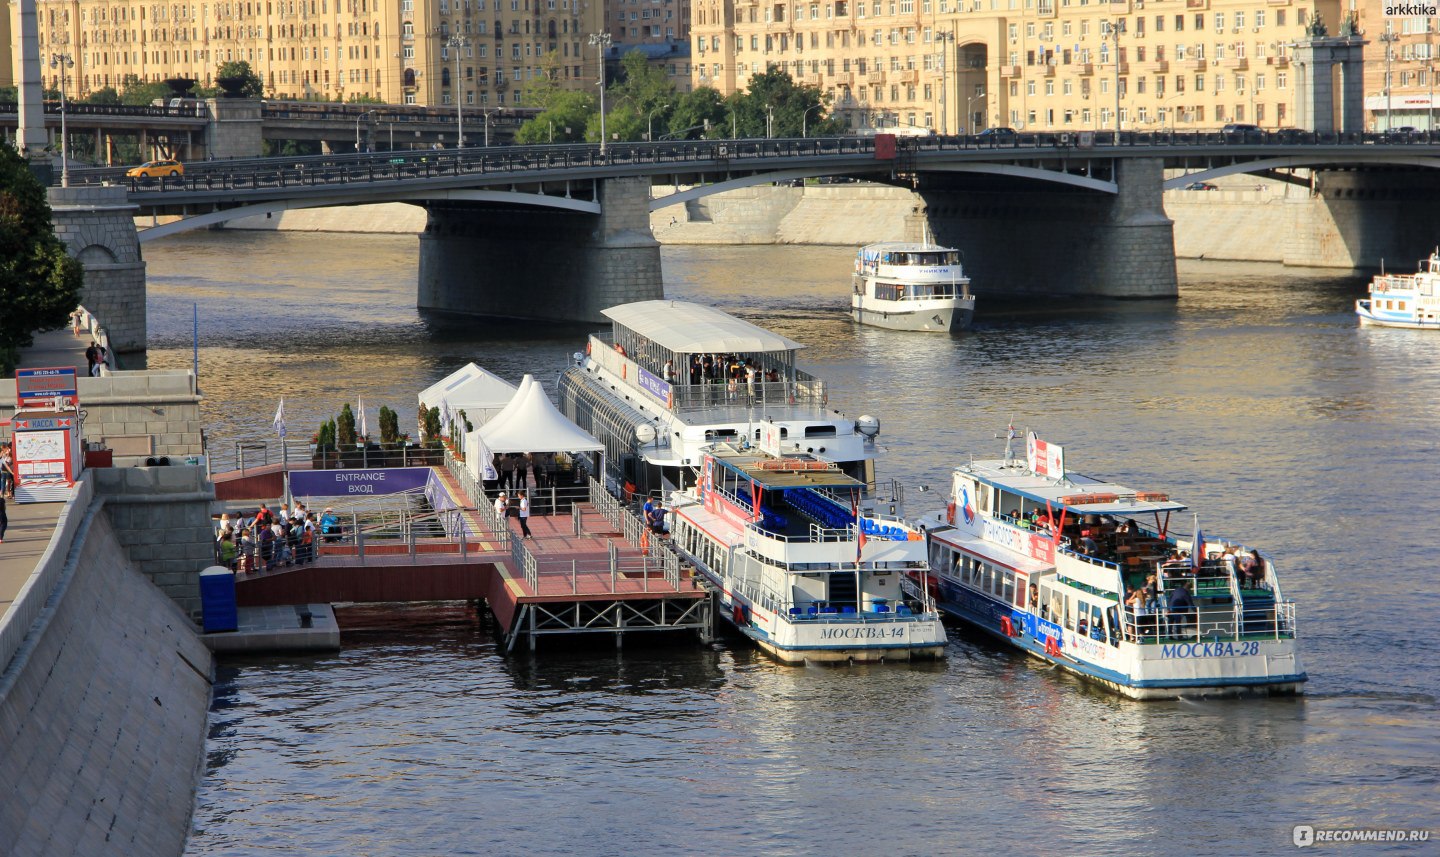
(770, 439)
(884, 147)
(47, 457)
(1044, 459)
(38, 388)
(365, 482)
(656, 387)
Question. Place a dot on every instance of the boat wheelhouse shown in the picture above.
(911, 286)
(1093, 576)
(673, 378)
(795, 565)
(1404, 300)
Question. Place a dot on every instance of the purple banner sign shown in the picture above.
(346, 483)
(655, 386)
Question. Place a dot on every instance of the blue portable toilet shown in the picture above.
(218, 610)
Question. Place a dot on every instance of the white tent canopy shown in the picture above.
(470, 389)
(531, 423)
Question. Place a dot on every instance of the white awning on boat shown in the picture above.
(531, 423)
(689, 328)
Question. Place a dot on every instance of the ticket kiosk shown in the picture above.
(47, 450)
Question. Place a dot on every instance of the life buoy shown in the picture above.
(950, 512)
(1007, 627)
(1052, 648)
(588, 345)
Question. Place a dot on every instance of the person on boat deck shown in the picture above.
(1087, 544)
(1136, 604)
(1034, 598)
(656, 519)
(1182, 603)
(1257, 569)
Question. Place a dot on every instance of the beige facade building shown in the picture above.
(965, 65)
(1407, 98)
(479, 52)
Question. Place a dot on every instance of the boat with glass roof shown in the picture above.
(1094, 577)
(911, 286)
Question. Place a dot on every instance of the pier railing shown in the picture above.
(1209, 623)
(411, 535)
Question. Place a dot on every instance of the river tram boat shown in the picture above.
(677, 391)
(795, 565)
(1090, 575)
(911, 286)
(1404, 300)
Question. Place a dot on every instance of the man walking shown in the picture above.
(525, 515)
(4, 521)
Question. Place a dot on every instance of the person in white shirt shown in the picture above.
(524, 515)
(502, 504)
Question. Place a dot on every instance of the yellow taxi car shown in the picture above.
(156, 169)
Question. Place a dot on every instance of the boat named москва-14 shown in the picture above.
(1404, 300)
(1088, 575)
(911, 287)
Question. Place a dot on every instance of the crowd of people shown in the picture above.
(513, 467)
(272, 539)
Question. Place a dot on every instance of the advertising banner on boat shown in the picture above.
(655, 386)
(1030, 544)
(1044, 459)
(346, 483)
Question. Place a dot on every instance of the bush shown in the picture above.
(345, 428)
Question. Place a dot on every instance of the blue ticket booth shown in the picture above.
(218, 609)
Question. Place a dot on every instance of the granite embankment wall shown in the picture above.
(103, 706)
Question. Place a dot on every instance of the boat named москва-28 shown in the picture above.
(1089, 575)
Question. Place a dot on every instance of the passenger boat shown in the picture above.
(1404, 300)
(911, 286)
(1057, 564)
(771, 491)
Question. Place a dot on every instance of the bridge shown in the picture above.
(1045, 214)
(193, 129)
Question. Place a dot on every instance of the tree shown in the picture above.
(253, 86)
(135, 92)
(567, 117)
(103, 95)
(431, 426)
(692, 111)
(39, 283)
(772, 98)
(345, 428)
(389, 426)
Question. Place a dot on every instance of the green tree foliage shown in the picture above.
(775, 88)
(389, 426)
(345, 428)
(254, 87)
(431, 424)
(568, 113)
(361, 98)
(103, 95)
(325, 439)
(136, 92)
(39, 282)
(690, 111)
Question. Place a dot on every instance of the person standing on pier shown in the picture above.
(525, 515)
(4, 521)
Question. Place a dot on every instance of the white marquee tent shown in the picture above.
(529, 423)
(480, 394)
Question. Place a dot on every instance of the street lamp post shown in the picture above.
(969, 114)
(1116, 26)
(601, 41)
(358, 120)
(941, 37)
(1389, 38)
(455, 43)
(63, 62)
(769, 121)
(650, 123)
(804, 126)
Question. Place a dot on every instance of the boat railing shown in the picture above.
(1209, 623)
(1091, 560)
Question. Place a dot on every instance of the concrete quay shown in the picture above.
(278, 628)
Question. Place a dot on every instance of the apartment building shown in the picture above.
(965, 65)
(1400, 92)
(480, 52)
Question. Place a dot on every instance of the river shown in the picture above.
(1254, 398)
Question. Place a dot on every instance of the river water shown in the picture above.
(1254, 398)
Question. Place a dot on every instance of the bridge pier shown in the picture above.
(98, 228)
(1062, 242)
(541, 264)
(235, 130)
(1359, 219)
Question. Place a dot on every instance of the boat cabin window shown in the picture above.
(820, 431)
(1069, 616)
(723, 434)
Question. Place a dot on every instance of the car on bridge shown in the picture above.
(1201, 186)
(156, 169)
(1006, 134)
